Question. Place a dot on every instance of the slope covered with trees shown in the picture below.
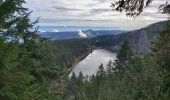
(131, 77)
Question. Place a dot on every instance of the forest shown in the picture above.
(35, 68)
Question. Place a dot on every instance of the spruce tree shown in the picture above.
(14, 26)
(101, 72)
(123, 58)
(110, 68)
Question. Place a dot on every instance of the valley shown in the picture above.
(84, 50)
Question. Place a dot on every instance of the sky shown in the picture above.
(96, 13)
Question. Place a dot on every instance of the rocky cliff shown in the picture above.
(140, 39)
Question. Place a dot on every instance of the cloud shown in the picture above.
(90, 13)
(82, 34)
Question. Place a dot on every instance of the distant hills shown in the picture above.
(78, 34)
(112, 39)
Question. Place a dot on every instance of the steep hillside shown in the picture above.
(140, 39)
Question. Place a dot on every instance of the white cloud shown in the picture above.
(98, 11)
(82, 34)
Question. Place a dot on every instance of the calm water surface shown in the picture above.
(90, 64)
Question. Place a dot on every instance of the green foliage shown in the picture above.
(161, 54)
(34, 69)
(7, 54)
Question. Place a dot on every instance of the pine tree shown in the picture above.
(110, 68)
(101, 72)
(22, 77)
(72, 87)
(14, 26)
(123, 58)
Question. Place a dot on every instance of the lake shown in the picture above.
(90, 64)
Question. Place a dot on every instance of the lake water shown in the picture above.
(90, 64)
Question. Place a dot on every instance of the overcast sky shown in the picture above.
(90, 13)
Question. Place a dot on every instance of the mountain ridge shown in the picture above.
(140, 39)
(65, 35)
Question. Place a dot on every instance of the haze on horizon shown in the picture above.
(95, 13)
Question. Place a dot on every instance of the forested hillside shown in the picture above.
(140, 40)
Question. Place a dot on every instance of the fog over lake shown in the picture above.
(90, 64)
